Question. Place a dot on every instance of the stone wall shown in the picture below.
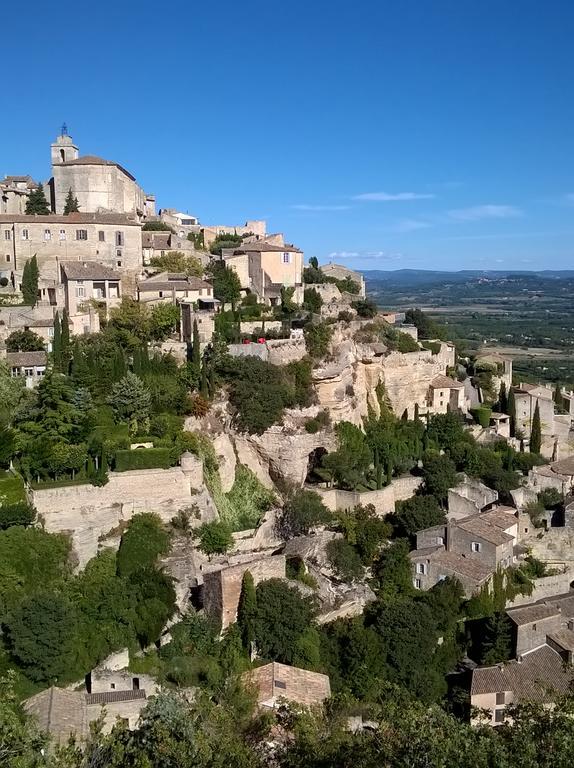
(383, 500)
(222, 588)
(284, 351)
(546, 586)
(89, 512)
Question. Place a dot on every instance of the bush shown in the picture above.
(142, 458)
(214, 537)
(365, 308)
(143, 541)
(303, 511)
(344, 559)
(20, 513)
(317, 339)
(481, 416)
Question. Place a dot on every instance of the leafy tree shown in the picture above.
(312, 300)
(226, 283)
(536, 431)
(247, 610)
(439, 474)
(177, 261)
(496, 643)
(393, 570)
(18, 513)
(445, 430)
(363, 528)
(365, 308)
(557, 396)
(163, 321)
(131, 401)
(24, 341)
(345, 560)
(225, 240)
(512, 412)
(214, 537)
(317, 339)
(36, 204)
(303, 511)
(157, 226)
(30, 277)
(314, 262)
(65, 340)
(41, 633)
(426, 327)
(415, 514)
(57, 344)
(283, 615)
(129, 324)
(71, 203)
(143, 541)
(353, 458)
(151, 592)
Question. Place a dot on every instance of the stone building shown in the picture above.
(175, 286)
(275, 682)
(14, 193)
(446, 394)
(264, 268)
(98, 184)
(29, 365)
(469, 497)
(340, 272)
(86, 281)
(110, 239)
(527, 397)
(155, 244)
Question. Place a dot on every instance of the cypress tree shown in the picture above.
(536, 432)
(204, 385)
(30, 276)
(247, 610)
(196, 352)
(37, 205)
(71, 203)
(512, 412)
(416, 411)
(558, 396)
(65, 341)
(503, 399)
(57, 344)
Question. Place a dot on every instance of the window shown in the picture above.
(534, 627)
(118, 263)
(286, 258)
(28, 372)
(102, 236)
(499, 716)
(280, 684)
(113, 686)
(80, 291)
(7, 234)
(160, 294)
(440, 541)
(7, 257)
(62, 234)
(81, 234)
(417, 583)
(47, 234)
(421, 568)
(24, 234)
(500, 698)
(119, 238)
(50, 333)
(476, 546)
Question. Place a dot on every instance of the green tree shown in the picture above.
(65, 341)
(439, 474)
(345, 560)
(214, 537)
(317, 339)
(129, 324)
(503, 399)
(303, 511)
(536, 431)
(57, 344)
(312, 300)
(157, 226)
(36, 204)
(177, 261)
(21, 741)
(349, 464)
(365, 308)
(130, 400)
(247, 610)
(30, 277)
(42, 632)
(226, 283)
(512, 412)
(496, 645)
(143, 541)
(24, 341)
(393, 570)
(71, 203)
(283, 615)
(164, 320)
(558, 399)
(415, 514)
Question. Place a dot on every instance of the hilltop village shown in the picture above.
(220, 461)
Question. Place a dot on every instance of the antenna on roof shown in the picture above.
(64, 131)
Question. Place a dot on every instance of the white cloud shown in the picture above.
(386, 197)
(477, 212)
(364, 256)
(411, 225)
(315, 208)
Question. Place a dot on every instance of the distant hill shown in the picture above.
(417, 277)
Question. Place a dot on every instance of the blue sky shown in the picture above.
(411, 133)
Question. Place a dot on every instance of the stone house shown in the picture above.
(469, 497)
(446, 394)
(205, 319)
(340, 272)
(156, 244)
(256, 229)
(433, 564)
(222, 587)
(98, 184)
(550, 621)
(86, 281)
(539, 676)
(173, 287)
(558, 475)
(264, 268)
(14, 193)
(111, 239)
(275, 682)
(30, 365)
(527, 397)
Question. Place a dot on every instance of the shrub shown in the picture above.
(481, 416)
(214, 537)
(317, 339)
(143, 541)
(365, 308)
(20, 513)
(303, 511)
(142, 458)
(344, 559)
(345, 316)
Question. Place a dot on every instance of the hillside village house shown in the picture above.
(264, 268)
(155, 244)
(29, 365)
(527, 396)
(14, 193)
(86, 281)
(174, 286)
(112, 239)
(339, 272)
(446, 394)
(275, 682)
(98, 184)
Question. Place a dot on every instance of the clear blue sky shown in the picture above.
(403, 133)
